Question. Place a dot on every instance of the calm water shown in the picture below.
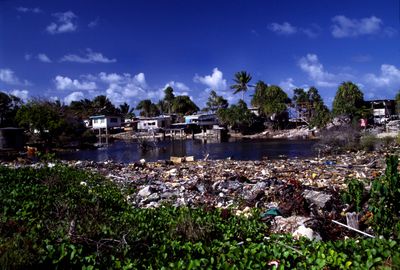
(127, 152)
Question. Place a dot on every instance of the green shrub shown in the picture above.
(384, 202)
(387, 141)
(368, 142)
(354, 194)
(67, 219)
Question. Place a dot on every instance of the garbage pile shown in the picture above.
(304, 193)
(298, 196)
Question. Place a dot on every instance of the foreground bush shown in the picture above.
(65, 218)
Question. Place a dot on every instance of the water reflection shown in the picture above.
(127, 152)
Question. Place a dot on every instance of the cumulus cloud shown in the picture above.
(110, 78)
(66, 22)
(214, 81)
(316, 72)
(74, 96)
(89, 57)
(282, 29)
(121, 87)
(389, 77)
(43, 58)
(28, 10)
(8, 76)
(22, 94)
(343, 27)
(66, 83)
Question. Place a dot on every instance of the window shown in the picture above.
(114, 120)
(94, 121)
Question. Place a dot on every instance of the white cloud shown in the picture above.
(140, 79)
(7, 76)
(65, 83)
(121, 87)
(215, 81)
(28, 10)
(89, 57)
(22, 94)
(282, 29)
(315, 70)
(288, 84)
(345, 27)
(74, 96)
(110, 78)
(389, 77)
(43, 58)
(288, 29)
(66, 22)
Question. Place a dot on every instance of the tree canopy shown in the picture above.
(397, 100)
(102, 105)
(241, 79)
(165, 105)
(147, 108)
(183, 105)
(272, 102)
(215, 102)
(49, 121)
(125, 110)
(238, 117)
(348, 100)
(311, 107)
(9, 106)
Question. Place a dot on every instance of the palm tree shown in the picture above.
(241, 80)
(147, 108)
(125, 110)
(101, 104)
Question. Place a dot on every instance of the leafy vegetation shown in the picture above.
(238, 117)
(242, 80)
(9, 106)
(349, 100)
(49, 122)
(368, 142)
(384, 202)
(183, 105)
(215, 102)
(311, 106)
(354, 194)
(147, 108)
(66, 218)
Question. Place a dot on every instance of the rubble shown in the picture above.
(299, 192)
(317, 198)
(303, 231)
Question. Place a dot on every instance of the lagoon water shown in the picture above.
(127, 152)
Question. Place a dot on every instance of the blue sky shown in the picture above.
(131, 50)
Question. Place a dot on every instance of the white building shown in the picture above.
(154, 123)
(202, 119)
(104, 121)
